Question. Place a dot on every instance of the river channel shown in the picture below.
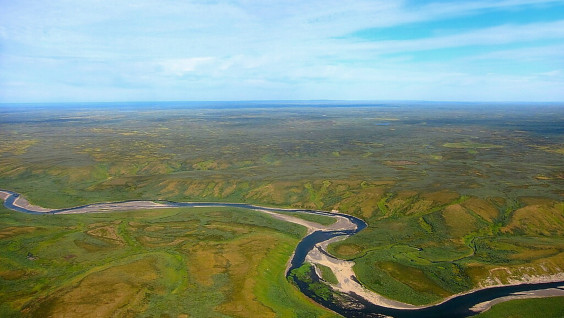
(458, 306)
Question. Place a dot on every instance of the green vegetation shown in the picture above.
(321, 219)
(420, 256)
(327, 274)
(206, 262)
(552, 307)
(477, 201)
(304, 273)
(470, 145)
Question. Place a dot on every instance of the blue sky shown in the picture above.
(107, 50)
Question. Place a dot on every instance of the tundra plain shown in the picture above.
(456, 197)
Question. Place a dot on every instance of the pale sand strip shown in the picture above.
(120, 206)
(311, 226)
(4, 195)
(24, 204)
(348, 284)
(342, 224)
(342, 269)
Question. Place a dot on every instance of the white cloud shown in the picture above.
(553, 73)
(180, 67)
(195, 49)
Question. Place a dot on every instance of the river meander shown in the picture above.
(456, 306)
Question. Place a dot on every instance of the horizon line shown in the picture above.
(288, 101)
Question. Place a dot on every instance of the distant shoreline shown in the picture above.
(225, 104)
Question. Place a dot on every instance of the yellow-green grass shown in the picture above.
(459, 221)
(538, 219)
(483, 208)
(272, 288)
(327, 274)
(346, 250)
(551, 307)
(455, 244)
(16, 147)
(470, 145)
(405, 283)
(413, 277)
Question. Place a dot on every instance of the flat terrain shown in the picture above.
(456, 197)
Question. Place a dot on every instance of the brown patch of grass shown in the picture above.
(482, 207)
(536, 253)
(348, 250)
(113, 292)
(195, 189)
(536, 201)
(406, 194)
(441, 197)
(108, 233)
(16, 147)
(401, 202)
(497, 201)
(206, 260)
(155, 167)
(229, 227)
(228, 189)
(154, 228)
(171, 188)
(239, 259)
(243, 257)
(74, 174)
(265, 192)
(537, 220)
(13, 274)
(558, 149)
(16, 230)
(458, 220)
(273, 192)
(420, 206)
(149, 241)
(413, 277)
(366, 200)
(89, 247)
(400, 163)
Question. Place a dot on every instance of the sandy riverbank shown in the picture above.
(343, 269)
(347, 283)
(117, 207)
(21, 202)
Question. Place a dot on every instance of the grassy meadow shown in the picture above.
(524, 308)
(456, 197)
(219, 262)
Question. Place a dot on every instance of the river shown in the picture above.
(457, 306)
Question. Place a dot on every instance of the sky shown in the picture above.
(196, 50)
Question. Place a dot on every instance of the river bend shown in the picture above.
(312, 248)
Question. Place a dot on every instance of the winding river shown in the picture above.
(360, 301)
